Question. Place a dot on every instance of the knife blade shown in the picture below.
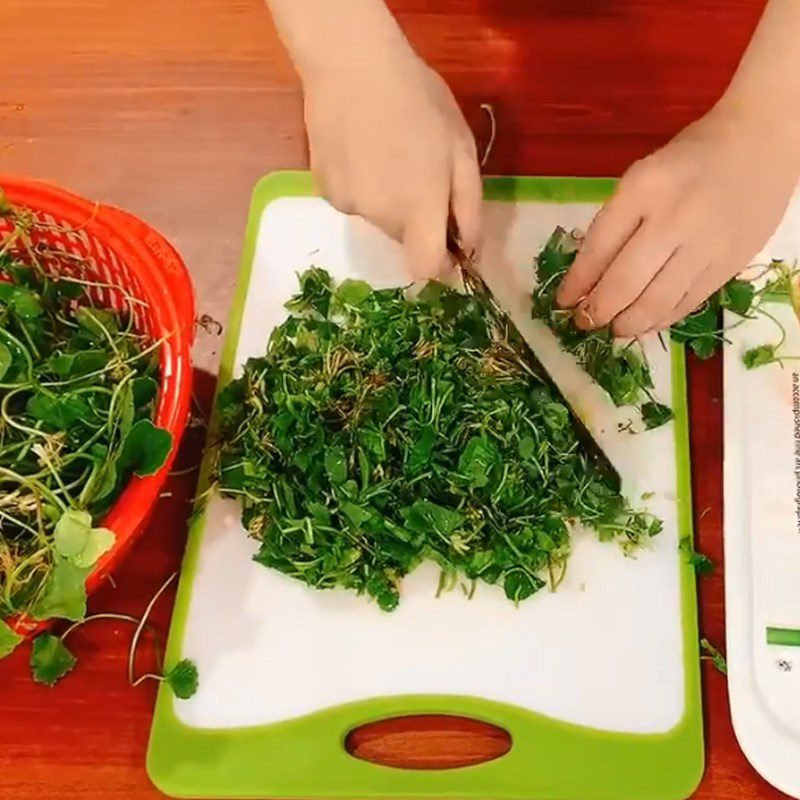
(475, 285)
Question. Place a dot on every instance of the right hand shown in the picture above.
(389, 143)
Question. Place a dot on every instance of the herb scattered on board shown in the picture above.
(78, 386)
(702, 564)
(710, 653)
(379, 431)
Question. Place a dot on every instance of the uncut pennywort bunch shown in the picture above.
(77, 397)
(379, 431)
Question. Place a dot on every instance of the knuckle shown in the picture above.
(635, 320)
(644, 175)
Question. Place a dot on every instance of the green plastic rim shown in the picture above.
(549, 760)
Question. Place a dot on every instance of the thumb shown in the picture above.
(424, 239)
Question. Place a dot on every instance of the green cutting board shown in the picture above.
(597, 684)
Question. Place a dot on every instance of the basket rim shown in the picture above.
(163, 271)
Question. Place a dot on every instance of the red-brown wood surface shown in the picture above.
(173, 108)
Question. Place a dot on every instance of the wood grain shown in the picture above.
(173, 108)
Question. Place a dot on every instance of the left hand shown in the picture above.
(681, 223)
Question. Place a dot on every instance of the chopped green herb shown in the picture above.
(759, 356)
(714, 656)
(379, 431)
(654, 415)
(702, 564)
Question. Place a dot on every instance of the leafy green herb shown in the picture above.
(760, 356)
(712, 654)
(50, 659)
(77, 400)
(654, 415)
(379, 431)
(182, 679)
(9, 640)
(620, 369)
(702, 564)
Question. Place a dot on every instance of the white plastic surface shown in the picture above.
(762, 534)
(605, 651)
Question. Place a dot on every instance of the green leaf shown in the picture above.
(97, 322)
(50, 659)
(145, 449)
(8, 640)
(519, 586)
(58, 412)
(336, 464)
(65, 593)
(76, 540)
(702, 564)
(654, 415)
(713, 655)
(759, 356)
(420, 456)
(183, 679)
(527, 447)
(424, 516)
(5, 360)
(75, 365)
(353, 293)
(479, 459)
(144, 390)
(737, 296)
(5, 204)
(22, 301)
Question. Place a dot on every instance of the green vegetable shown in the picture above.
(182, 679)
(380, 431)
(77, 400)
(621, 369)
(760, 356)
(714, 656)
(9, 640)
(654, 415)
(50, 659)
(702, 564)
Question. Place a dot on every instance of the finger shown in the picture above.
(467, 198)
(425, 238)
(699, 291)
(663, 294)
(611, 228)
(624, 280)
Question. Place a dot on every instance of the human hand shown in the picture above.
(389, 143)
(681, 223)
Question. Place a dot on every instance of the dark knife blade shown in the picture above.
(474, 284)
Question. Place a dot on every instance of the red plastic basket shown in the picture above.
(123, 251)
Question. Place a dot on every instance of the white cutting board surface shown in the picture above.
(762, 534)
(604, 651)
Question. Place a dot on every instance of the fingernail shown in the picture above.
(583, 319)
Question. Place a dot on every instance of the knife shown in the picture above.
(475, 285)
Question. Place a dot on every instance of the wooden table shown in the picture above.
(173, 108)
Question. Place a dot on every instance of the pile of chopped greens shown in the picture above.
(379, 431)
(78, 387)
(621, 368)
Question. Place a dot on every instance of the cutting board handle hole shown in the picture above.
(428, 742)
